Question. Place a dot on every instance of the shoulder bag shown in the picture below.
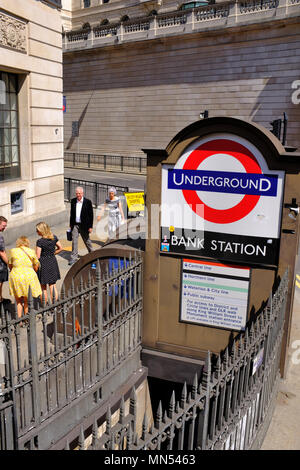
(35, 266)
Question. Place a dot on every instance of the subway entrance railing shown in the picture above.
(68, 351)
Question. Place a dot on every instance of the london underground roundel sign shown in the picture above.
(221, 200)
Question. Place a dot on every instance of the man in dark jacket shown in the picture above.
(81, 222)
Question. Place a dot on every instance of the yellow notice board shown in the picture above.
(135, 201)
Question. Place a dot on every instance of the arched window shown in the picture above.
(86, 3)
(152, 13)
(104, 22)
(105, 1)
(125, 18)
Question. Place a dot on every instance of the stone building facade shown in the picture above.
(134, 83)
(31, 125)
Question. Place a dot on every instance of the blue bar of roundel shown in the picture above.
(202, 180)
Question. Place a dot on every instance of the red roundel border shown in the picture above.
(249, 162)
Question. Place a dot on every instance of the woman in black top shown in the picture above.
(46, 248)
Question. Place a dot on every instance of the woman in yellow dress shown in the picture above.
(22, 276)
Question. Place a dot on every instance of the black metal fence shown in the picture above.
(64, 353)
(225, 410)
(115, 163)
(69, 347)
(96, 192)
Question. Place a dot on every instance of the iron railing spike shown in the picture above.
(129, 437)
(151, 430)
(63, 292)
(122, 411)
(133, 401)
(81, 439)
(206, 375)
(89, 280)
(29, 299)
(94, 433)
(195, 386)
(172, 405)
(144, 426)
(158, 415)
(72, 287)
(108, 420)
(183, 395)
(98, 271)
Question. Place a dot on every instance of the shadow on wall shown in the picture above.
(276, 98)
(80, 120)
(147, 94)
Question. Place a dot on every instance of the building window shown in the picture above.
(9, 127)
(86, 3)
(16, 202)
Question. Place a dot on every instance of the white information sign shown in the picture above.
(214, 294)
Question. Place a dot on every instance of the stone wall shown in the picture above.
(31, 46)
(139, 95)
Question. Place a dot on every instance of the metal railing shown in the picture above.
(68, 347)
(225, 410)
(64, 353)
(96, 192)
(187, 21)
(116, 163)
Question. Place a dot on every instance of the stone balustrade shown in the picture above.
(216, 16)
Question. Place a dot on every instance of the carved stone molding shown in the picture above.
(12, 32)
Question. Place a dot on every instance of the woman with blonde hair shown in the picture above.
(46, 248)
(22, 262)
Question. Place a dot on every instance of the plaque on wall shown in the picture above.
(214, 294)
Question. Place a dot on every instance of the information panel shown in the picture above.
(214, 294)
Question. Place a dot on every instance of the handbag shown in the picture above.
(3, 266)
(69, 235)
(35, 266)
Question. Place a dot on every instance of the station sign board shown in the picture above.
(214, 294)
(220, 200)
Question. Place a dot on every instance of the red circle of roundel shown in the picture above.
(249, 162)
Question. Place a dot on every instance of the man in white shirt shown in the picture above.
(81, 222)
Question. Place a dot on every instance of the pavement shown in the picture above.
(284, 429)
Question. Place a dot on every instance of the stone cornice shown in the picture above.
(229, 15)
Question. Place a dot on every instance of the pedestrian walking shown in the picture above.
(3, 256)
(81, 222)
(115, 212)
(47, 247)
(23, 263)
